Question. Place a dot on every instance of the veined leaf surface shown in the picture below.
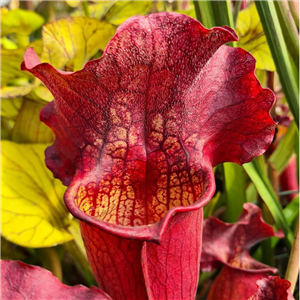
(33, 213)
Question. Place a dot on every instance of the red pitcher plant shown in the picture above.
(138, 133)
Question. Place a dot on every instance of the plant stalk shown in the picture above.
(237, 8)
(293, 265)
(273, 31)
(52, 262)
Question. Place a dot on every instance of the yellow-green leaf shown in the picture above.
(73, 3)
(10, 67)
(14, 82)
(12, 92)
(33, 212)
(116, 12)
(28, 127)
(252, 38)
(19, 21)
(41, 94)
(122, 10)
(8, 44)
(10, 108)
(71, 42)
(6, 128)
(189, 12)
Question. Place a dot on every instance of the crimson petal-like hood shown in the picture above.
(139, 130)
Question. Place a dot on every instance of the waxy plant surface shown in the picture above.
(138, 133)
(229, 244)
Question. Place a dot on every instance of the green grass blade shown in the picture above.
(291, 213)
(273, 32)
(206, 13)
(266, 192)
(197, 10)
(222, 12)
(237, 7)
(235, 190)
(293, 6)
(284, 151)
(289, 30)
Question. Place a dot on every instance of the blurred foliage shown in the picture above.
(36, 227)
(252, 38)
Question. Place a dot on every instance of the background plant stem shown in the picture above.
(293, 265)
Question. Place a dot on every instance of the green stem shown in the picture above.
(294, 12)
(223, 15)
(237, 8)
(293, 265)
(52, 262)
(235, 191)
(207, 14)
(276, 42)
(85, 8)
(257, 175)
(289, 30)
(197, 10)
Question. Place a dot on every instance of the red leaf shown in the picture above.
(273, 288)
(229, 244)
(20, 281)
(139, 130)
(234, 284)
(143, 126)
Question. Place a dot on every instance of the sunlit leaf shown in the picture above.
(71, 42)
(20, 21)
(116, 12)
(8, 44)
(33, 213)
(28, 127)
(252, 38)
(97, 10)
(6, 128)
(12, 92)
(122, 10)
(10, 107)
(190, 12)
(14, 82)
(10, 66)
(41, 94)
(73, 3)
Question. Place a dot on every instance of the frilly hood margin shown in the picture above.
(138, 132)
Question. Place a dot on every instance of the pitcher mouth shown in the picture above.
(148, 232)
